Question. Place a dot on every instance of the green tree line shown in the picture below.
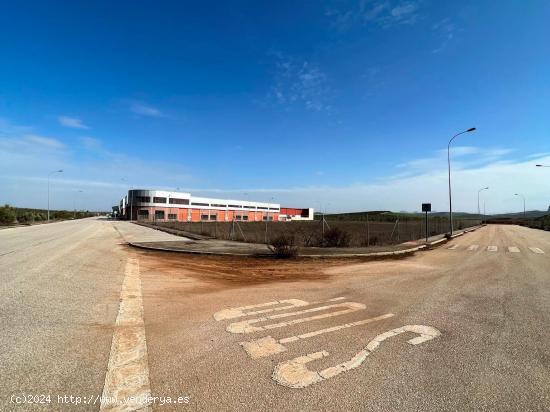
(10, 215)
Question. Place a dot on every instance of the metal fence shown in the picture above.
(314, 233)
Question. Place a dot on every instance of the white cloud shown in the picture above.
(71, 122)
(408, 193)
(90, 142)
(47, 142)
(143, 109)
(383, 13)
(299, 82)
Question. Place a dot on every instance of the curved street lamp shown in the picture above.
(478, 192)
(542, 165)
(471, 129)
(523, 197)
(51, 173)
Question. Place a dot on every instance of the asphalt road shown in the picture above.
(482, 317)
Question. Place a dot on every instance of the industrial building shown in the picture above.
(161, 205)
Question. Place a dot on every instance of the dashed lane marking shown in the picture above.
(492, 248)
(127, 380)
(295, 374)
(536, 250)
(473, 248)
(453, 247)
(233, 313)
(513, 249)
(268, 346)
(245, 326)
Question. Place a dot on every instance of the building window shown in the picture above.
(245, 217)
(159, 200)
(176, 201)
(143, 199)
(213, 217)
(251, 207)
(215, 205)
(200, 204)
(238, 217)
(159, 214)
(143, 212)
(172, 216)
(274, 208)
(204, 217)
(235, 206)
(262, 208)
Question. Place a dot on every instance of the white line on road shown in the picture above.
(453, 247)
(513, 249)
(492, 248)
(536, 250)
(295, 374)
(473, 248)
(239, 312)
(127, 379)
(245, 326)
(268, 346)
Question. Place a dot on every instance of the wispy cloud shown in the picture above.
(90, 142)
(47, 142)
(143, 109)
(446, 31)
(409, 192)
(462, 157)
(72, 122)
(299, 82)
(382, 13)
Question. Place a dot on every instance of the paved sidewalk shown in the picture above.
(136, 233)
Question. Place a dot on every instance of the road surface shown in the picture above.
(465, 326)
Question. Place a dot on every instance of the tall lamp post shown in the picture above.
(74, 203)
(478, 192)
(523, 197)
(49, 175)
(471, 129)
(542, 165)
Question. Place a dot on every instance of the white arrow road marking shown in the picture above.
(268, 346)
(453, 247)
(513, 249)
(536, 250)
(245, 326)
(492, 248)
(295, 374)
(473, 248)
(127, 380)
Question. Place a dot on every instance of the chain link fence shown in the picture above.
(318, 233)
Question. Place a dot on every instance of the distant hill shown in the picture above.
(381, 215)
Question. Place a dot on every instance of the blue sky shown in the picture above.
(339, 105)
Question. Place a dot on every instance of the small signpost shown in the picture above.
(426, 207)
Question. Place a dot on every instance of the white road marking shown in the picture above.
(295, 374)
(233, 313)
(268, 346)
(127, 380)
(473, 248)
(513, 249)
(492, 248)
(245, 325)
(453, 247)
(536, 250)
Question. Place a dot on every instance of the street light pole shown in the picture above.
(49, 175)
(478, 192)
(523, 197)
(74, 204)
(471, 129)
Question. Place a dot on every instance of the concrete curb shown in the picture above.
(344, 255)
